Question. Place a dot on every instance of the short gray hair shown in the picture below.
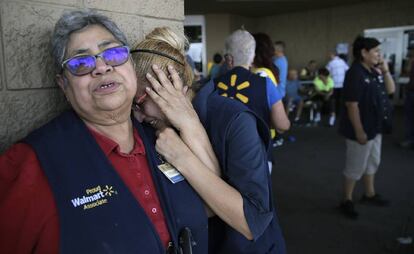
(72, 21)
(241, 45)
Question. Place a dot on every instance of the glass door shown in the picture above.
(194, 29)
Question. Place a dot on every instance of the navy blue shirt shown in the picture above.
(247, 171)
(367, 88)
(240, 139)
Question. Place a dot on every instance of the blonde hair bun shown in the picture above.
(165, 34)
(163, 47)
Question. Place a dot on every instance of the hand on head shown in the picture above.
(170, 96)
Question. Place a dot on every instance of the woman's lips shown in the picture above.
(107, 87)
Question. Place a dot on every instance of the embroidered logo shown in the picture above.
(108, 190)
(95, 196)
(234, 88)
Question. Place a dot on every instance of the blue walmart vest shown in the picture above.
(247, 87)
(216, 114)
(97, 212)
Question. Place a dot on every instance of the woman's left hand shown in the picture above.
(170, 145)
(171, 98)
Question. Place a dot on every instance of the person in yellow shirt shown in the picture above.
(323, 85)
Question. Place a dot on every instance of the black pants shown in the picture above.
(321, 101)
(336, 98)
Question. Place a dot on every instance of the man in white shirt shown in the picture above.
(195, 52)
(337, 67)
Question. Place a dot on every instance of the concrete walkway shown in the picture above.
(307, 182)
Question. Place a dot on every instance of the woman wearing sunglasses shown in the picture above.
(235, 185)
(88, 181)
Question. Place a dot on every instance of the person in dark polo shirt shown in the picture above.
(366, 116)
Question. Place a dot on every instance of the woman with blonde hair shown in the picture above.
(231, 173)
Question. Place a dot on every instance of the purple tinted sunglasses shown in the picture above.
(84, 64)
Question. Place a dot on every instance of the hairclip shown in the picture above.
(157, 53)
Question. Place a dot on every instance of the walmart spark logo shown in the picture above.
(234, 88)
(108, 191)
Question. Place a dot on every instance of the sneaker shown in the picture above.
(317, 118)
(297, 122)
(331, 121)
(278, 142)
(375, 200)
(347, 208)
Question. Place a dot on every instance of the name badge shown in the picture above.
(171, 172)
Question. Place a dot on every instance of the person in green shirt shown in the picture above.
(323, 85)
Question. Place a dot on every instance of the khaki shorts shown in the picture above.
(362, 159)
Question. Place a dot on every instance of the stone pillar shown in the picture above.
(29, 96)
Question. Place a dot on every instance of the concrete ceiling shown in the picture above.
(255, 8)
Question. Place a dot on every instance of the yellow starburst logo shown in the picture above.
(108, 191)
(233, 85)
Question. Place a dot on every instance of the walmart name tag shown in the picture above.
(171, 173)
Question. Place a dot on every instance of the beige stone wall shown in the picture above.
(219, 26)
(28, 94)
(310, 35)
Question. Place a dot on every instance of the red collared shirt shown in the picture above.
(28, 213)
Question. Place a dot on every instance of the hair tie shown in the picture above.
(157, 53)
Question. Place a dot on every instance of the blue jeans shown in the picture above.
(409, 115)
